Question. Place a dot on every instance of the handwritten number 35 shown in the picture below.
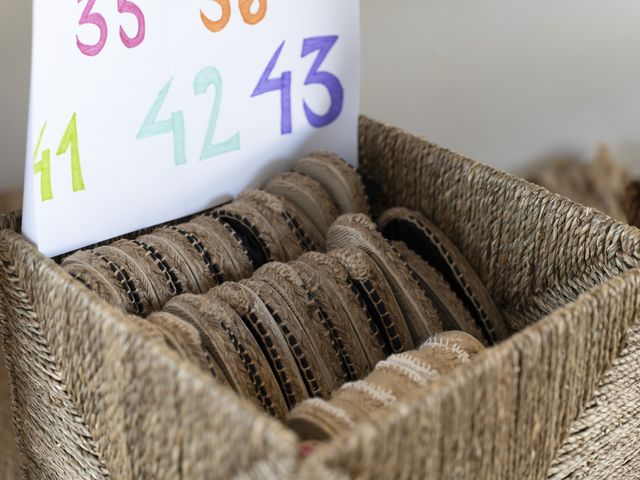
(245, 10)
(93, 18)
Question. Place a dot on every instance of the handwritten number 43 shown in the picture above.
(323, 46)
(89, 17)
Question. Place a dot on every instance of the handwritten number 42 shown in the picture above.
(207, 77)
(323, 46)
(93, 18)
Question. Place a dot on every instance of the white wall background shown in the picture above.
(507, 82)
(15, 58)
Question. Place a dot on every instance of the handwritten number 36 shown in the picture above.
(93, 18)
(245, 10)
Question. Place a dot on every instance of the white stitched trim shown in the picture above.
(454, 348)
(425, 371)
(380, 395)
(404, 371)
(410, 367)
(332, 410)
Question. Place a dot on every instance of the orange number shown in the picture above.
(253, 18)
(218, 25)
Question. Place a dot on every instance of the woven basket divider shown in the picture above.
(534, 250)
(506, 415)
(95, 398)
(92, 394)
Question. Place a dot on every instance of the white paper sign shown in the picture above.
(143, 111)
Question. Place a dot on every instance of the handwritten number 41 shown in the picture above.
(323, 46)
(43, 167)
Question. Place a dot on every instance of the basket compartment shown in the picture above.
(94, 395)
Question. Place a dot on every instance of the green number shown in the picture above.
(37, 149)
(207, 77)
(152, 127)
(70, 139)
(43, 167)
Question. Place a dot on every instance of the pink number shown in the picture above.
(125, 6)
(89, 18)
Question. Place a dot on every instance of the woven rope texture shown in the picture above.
(95, 397)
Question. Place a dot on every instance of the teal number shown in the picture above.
(152, 127)
(43, 167)
(206, 78)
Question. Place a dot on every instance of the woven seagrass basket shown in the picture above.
(93, 397)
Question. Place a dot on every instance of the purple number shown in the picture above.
(125, 6)
(267, 84)
(323, 46)
(98, 20)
